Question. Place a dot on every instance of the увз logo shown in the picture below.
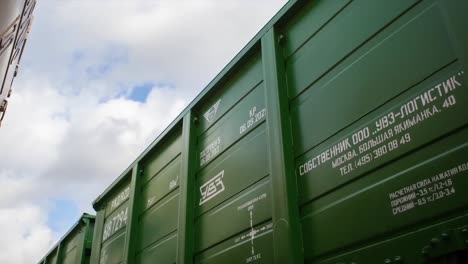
(212, 188)
(211, 113)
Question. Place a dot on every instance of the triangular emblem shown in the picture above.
(211, 113)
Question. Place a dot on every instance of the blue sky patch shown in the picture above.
(140, 92)
(77, 56)
(63, 214)
(111, 57)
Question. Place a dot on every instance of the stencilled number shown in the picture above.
(116, 223)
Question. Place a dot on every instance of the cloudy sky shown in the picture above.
(98, 82)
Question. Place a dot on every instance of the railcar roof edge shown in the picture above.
(75, 225)
(224, 72)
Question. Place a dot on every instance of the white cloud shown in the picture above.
(27, 235)
(67, 148)
(70, 129)
(184, 41)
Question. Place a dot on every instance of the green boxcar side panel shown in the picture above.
(159, 186)
(308, 20)
(132, 215)
(426, 185)
(159, 221)
(250, 207)
(160, 156)
(73, 240)
(287, 247)
(87, 257)
(89, 234)
(52, 258)
(225, 97)
(115, 222)
(245, 116)
(226, 176)
(114, 229)
(391, 132)
(71, 256)
(71, 246)
(120, 195)
(232, 151)
(97, 236)
(158, 207)
(347, 31)
(376, 129)
(185, 228)
(455, 17)
(376, 107)
(448, 237)
(163, 252)
(253, 246)
(70, 249)
(372, 79)
(112, 250)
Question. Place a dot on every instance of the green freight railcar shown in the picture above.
(75, 246)
(338, 135)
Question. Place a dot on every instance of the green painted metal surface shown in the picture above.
(378, 127)
(232, 202)
(159, 203)
(230, 92)
(338, 135)
(112, 224)
(75, 246)
(240, 250)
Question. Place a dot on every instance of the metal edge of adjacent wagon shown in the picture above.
(85, 219)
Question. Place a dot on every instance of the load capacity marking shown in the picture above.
(152, 199)
(388, 132)
(425, 191)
